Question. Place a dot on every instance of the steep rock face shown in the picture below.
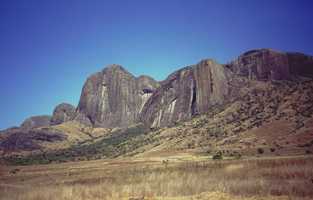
(114, 97)
(211, 84)
(263, 64)
(35, 122)
(187, 92)
(300, 64)
(172, 101)
(267, 64)
(62, 113)
(146, 86)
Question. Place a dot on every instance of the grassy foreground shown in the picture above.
(250, 179)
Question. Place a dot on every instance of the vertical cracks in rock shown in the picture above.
(194, 99)
(211, 81)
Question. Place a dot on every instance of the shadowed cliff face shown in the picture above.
(172, 101)
(114, 97)
(187, 92)
(300, 64)
(266, 64)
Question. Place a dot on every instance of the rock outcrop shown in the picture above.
(267, 64)
(36, 122)
(114, 97)
(29, 140)
(187, 92)
(63, 113)
(263, 64)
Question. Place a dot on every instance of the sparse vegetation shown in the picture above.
(236, 155)
(260, 151)
(217, 156)
(239, 180)
(118, 143)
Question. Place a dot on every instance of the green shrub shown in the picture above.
(217, 156)
(235, 154)
(272, 149)
(260, 150)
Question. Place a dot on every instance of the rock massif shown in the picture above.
(187, 92)
(114, 97)
(258, 86)
(267, 64)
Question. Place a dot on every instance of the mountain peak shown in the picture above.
(113, 98)
(261, 50)
(115, 66)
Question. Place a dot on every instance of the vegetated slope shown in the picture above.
(267, 118)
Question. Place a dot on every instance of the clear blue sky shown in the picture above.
(48, 48)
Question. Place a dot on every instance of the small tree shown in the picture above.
(260, 151)
(217, 156)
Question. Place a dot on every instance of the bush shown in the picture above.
(217, 156)
(236, 155)
(260, 150)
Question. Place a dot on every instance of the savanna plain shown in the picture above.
(183, 176)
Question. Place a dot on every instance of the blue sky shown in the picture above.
(48, 48)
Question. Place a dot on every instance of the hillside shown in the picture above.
(258, 104)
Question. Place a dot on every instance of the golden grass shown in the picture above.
(254, 179)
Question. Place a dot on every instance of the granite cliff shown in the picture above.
(114, 97)
(267, 64)
(187, 92)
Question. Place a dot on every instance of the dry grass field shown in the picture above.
(244, 179)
